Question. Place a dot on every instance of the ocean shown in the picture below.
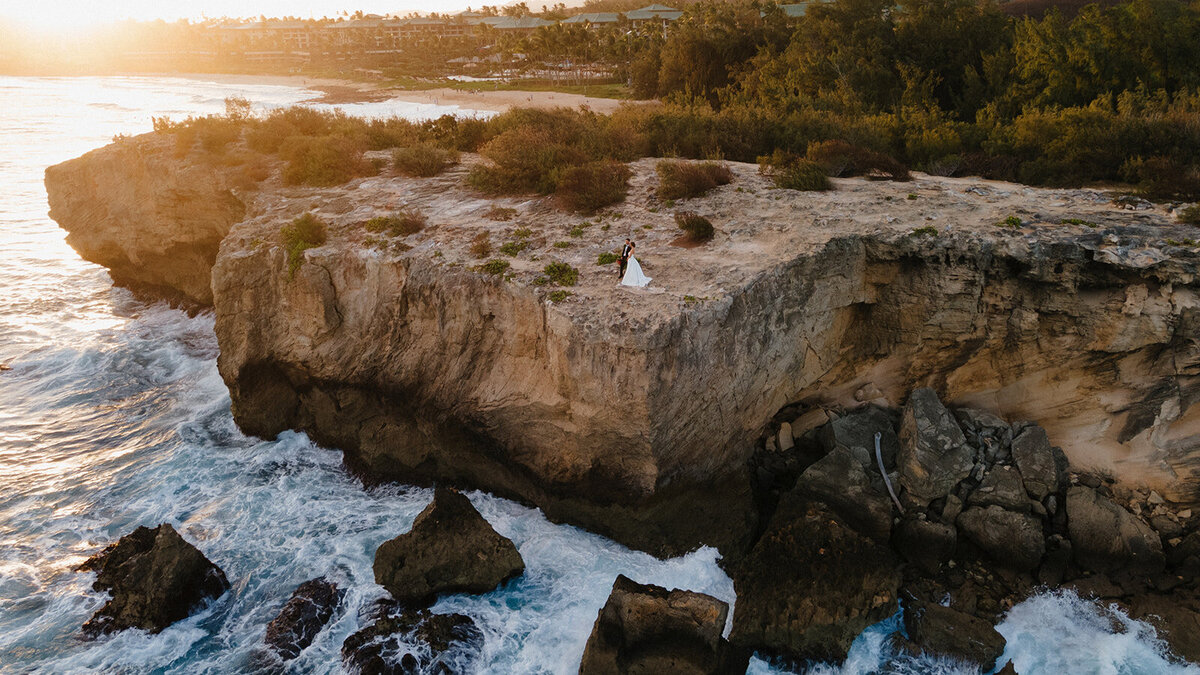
(113, 416)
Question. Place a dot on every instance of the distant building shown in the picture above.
(652, 15)
(795, 11)
(512, 24)
(289, 34)
(593, 19)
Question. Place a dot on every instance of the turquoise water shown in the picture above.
(114, 416)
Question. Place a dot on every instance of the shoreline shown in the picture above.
(339, 91)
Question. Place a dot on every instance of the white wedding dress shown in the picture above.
(633, 275)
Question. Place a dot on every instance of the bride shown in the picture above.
(633, 272)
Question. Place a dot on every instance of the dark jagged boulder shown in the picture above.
(384, 647)
(1035, 460)
(855, 432)
(943, 631)
(1011, 539)
(155, 578)
(811, 584)
(841, 482)
(308, 610)
(925, 543)
(1001, 486)
(450, 549)
(1107, 538)
(648, 629)
(1175, 617)
(934, 455)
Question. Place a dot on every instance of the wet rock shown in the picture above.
(450, 549)
(308, 610)
(841, 482)
(811, 585)
(155, 578)
(943, 631)
(925, 543)
(933, 455)
(1002, 486)
(1011, 539)
(1175, 618)
(1057, 560)
(411, 642)
(856, 432)
(648, 629)
(1035, 460)
(1107, 538)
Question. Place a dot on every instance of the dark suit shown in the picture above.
(625, 252)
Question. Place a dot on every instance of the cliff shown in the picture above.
(634, 413)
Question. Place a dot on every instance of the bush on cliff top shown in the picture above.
(301, 234)
(323, 161)
(683, 180)
(423, 160)
(562, 274)
(697, 227)
(792, 172)
(588, 188)
(402, 223)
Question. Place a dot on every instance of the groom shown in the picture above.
(625, 251)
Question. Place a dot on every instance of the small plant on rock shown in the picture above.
(513, 248)
(1190, 215)
(607, 258)
(400, 224)
(561, 274)
(494, 267)
(1011, 221)
(927, 231)
(560, 295)
(301, 234)
(481, 245)
(500, 213)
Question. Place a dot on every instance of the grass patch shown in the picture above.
(301, 234)
(494, 267)
(607, 258)
(561, 274)
(513, 248)
(400, 224)
(522, 233)
(562, 244)
(678, 179)
(423, 160)
(697, 227)
(1078, 221)
(1182, 242)
(927, 231)
(593, 186)
(560, 295)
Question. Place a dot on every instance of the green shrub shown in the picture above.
(513, 248)
(301, 234)
(684, 180)
(1078, 221)
(522, 233)
(561, 274)
(494, 267)
(792, 172)
(423, 160)
(607, 258)
(559, 295)
(562, 244)
(590, 187)
(839, 158)
(927, 231)
(697, 227)
(1011, 221)
(1190, 215)
(400, 224)
(1165, 178)
(322, 160)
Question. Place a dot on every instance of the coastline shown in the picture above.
(338, 91)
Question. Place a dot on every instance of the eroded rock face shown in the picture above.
(648, 629)
(943, 631)
(1035, 459)
(1107, 538)
(447, 642)
(450, 549)
(839, 481)
(155, 577)
(308, 610)
(811, 585)
(153, 219)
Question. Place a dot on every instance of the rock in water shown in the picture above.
(1107, 538)
(155, 578)
(377, 649)
(811, 585)
(1035, 460)
(1011, 539)
(934, 455)
(943, 631)
(308, 610)
(648, 629)
(450, 549)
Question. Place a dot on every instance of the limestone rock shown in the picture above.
(451, 641)
(1107, 538)
(308, 610)
(450, 549)
(155, 577)
(786, 442)
(1035, 460)
(934, 455)
(856, 432)
(926, 543)
(648, 629)
(943, 631)
(1002, 487)
(1011, 539)
(811, 585)
(838, 480)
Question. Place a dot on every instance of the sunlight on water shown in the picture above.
(114, 416)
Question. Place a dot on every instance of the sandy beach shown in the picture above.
(335, 92)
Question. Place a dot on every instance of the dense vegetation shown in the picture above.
(855, 87)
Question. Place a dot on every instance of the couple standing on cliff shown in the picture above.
(630, 273)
